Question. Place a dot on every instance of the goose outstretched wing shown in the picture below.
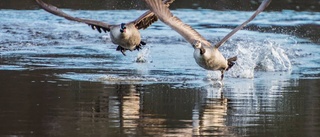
(262, 6)
(164, 14)
(100, 26)
(146, 19)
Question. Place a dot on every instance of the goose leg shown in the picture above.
(122, 50)
(222, 74)
(221, 82)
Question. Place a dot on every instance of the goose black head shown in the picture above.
(123, 27)
(197, 45)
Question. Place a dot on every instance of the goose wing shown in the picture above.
(164, 14)
(262, 6)
(94, 24)
(146, 19)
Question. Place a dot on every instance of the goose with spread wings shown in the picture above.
(125, 35)
(206, 55)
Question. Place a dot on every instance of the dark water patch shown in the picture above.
(55, 106)
(307, 31)
(307, 5)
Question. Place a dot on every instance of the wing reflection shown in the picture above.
(210, 114)
(121, 106)
(131, 109)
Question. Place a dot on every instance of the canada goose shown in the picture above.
(206, 55)
(125, 35)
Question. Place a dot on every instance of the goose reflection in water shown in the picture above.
(121, 107)
(210, 113)
(169, 112)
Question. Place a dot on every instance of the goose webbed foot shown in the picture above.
(122, 50)
(138, 47)
(142, 43)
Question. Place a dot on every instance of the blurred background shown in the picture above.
(298, 5)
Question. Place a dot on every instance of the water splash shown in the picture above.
(143, 55)
(258, 56)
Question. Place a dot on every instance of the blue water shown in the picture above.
(37, 39)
